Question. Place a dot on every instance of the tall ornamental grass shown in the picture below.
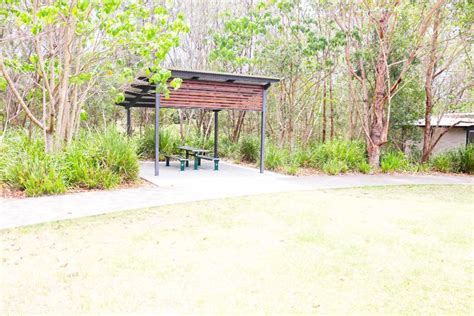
(94, 160)
(395, 161)
(461, 160)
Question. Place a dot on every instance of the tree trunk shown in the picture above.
(429, 76)
(331, 108)
(378, 131)
(63, 97)
(352, 106)
(238, 126)
(181, 122)
(373, 151)
(323, 136)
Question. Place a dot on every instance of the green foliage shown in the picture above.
(249, 149)
(228, 148)
(274, 157)
(84, 167)
(334, 167)
(301, 157)
(110, 41)
(351, 155)
(363, 167)
(169, 142)
(291, 169)
(461, 160)
(25, 166)
(93, 160)
(466, 159)
(394, 161)
(146, 143)
(100, 160)
(443, 163)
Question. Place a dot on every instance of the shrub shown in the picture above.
(291, 170)
(442, 163)
(169, 143)
(421, 167)
(350, 155)
(363, 167)
(274, 157)
(146, 143)
(394, 161)
(118, 154)
(26, 167)
(301, 157)
(466, 159)
(100, 160)
(334, 167)
(93, 160)
(229, 149)
(461, 160)
(249, 149)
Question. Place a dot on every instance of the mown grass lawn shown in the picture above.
(398, 250)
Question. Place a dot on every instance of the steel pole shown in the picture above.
(157, 131)
(262, 131)
(216, 134)
(129, 122)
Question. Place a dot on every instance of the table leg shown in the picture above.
(187, 157)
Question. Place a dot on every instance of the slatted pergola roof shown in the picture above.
(205, 90)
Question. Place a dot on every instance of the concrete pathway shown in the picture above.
(173, 186)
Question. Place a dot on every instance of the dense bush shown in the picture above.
(339, 156)
(442, 163)
(25, 166)
(100, 160)
(249, 149)
(333, 157)
(335, 166)
(93, 160)
(274, 157)
(461, 160)
(466, 159)
(169, 143)
(394, 161)
(229, 149)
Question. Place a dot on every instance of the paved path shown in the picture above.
(173, 186)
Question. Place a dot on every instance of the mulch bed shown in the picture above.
(9, 193)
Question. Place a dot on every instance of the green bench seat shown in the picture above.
(197, 161)
(182, 161)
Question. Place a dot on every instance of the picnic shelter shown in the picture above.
(213, 91)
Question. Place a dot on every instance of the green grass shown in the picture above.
(381, 250)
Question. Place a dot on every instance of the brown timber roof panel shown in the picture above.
(203, 90)
(214, 95)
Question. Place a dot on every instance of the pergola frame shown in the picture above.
(214, 91)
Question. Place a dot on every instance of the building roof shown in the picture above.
(221, 76)
(202, 90)
(450, 119)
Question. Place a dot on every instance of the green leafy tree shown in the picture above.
(281, 38)
(55, 53)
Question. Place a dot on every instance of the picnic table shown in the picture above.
(192, 151)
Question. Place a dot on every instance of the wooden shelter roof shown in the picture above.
(203, 90)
